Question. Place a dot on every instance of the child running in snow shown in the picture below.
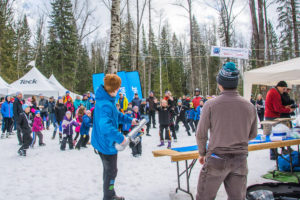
(136, 147)
(84, 130)
(67, 126)
(164, 122)
(37, 128)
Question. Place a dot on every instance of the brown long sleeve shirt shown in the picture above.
(232, 123)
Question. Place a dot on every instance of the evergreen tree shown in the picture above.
(63, 42)
(85, 71)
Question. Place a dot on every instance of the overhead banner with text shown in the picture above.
(228, 52)
(130, 84)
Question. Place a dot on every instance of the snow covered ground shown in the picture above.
(47, 173)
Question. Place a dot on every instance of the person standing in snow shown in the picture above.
(136, 101)
(152, 110)
(84, 130)
(198, 113)
(43, 106)
(8, 114)
(196, 100)
(24, 123)
(60, 111)
(190, 115)
(180, 111)
(17, 108)
(106, 134)
(144, 110)
(123, 102)
(232, 123)
(37, 128)
(136, 147)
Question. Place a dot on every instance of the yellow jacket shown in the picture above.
(125, 103)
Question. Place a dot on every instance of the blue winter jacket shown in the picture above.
(126, 126)
(191, 113)
(106, 123)
(198, 113)
(85, 125)
(7, 109)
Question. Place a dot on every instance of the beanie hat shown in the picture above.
(59, 98)
(67, 92)
(281, 84)
(112, 82)
(24, 106)
(37, 112)
(179, 101)
(68, 112)
(228, 76)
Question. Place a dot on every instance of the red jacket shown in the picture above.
(274, 105)
(196, 101)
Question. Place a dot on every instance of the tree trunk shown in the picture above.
(137, 35)
(149, 50)
(295, 28)
(191, 44)
(267, 34)
(114, 37)
(129, 32)
(261, 34)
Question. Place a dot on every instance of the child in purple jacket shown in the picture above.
(67, 125)
(37, 128)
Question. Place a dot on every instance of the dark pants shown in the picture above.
(183, 120)
(230, 169)
(19, 135)
(110, 171)
(261, 116)
(40, 135)
(84, 139)
(27, 139)
(152, 118)
(52, 120)
(191, 123)
(137, 149)
(272, 151)
(8, 125)
(172, 128)
(69, 139)
(44, 116)
(165, 128)
(196, 124)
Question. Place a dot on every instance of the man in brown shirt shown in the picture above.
(232, 123)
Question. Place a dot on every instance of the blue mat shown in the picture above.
(186, 149)
(257, 140)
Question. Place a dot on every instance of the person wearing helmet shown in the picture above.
(197, 98)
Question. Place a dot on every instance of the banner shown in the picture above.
(228, 52)
(130, 84)
(134, 82)
(98, 79)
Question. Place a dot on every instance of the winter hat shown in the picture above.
(281, 84)
(68, 112)
(37, 112)
(67, 92)
(112, 82)
(228, 76)
(179, 101)
(24, 106)
(59, 98)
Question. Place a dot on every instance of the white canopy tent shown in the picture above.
(288, 71)
(35, 83)
(62, 90)
(5, 88)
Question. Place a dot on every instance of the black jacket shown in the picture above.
(17, 108)
(286, 101)
(136, 102)
(163, 115)
(51, 107)
(151, 103)
(60, 111)
(144, 110)
(180, 111)
(25, 122)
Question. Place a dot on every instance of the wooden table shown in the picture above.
(193, 155)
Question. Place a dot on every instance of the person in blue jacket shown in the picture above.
(106, 134)
(198, 113)
(8, 114)
(84, 130)
(191, 116)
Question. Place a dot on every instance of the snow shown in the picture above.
(47, 173)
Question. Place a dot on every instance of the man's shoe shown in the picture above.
(118, 198)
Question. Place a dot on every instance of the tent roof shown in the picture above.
(5, 88)
(60, 87)
(288, 71)
(34, 83)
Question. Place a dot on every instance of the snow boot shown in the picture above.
(169, 144)
(22, 152)
(118, 198)
(162, 143)
(42, 144)
(189, 134)
(53, 136)
(74, 142)
(2, 135)
(148, 134)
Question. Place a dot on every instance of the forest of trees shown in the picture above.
(164, 59)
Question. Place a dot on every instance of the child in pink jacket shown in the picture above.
(37, 127)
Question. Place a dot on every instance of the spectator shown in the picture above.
(260, 107)
(17, 107)
(136, 101)
(43, 106)
(123, 102)
(197, 98)
(151, 106)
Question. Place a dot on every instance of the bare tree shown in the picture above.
(150, 48)
(188, 8)
(258, 31)
(138, 27)
(114, 47)
(295, 16)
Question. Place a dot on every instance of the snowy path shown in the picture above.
(47, 173)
